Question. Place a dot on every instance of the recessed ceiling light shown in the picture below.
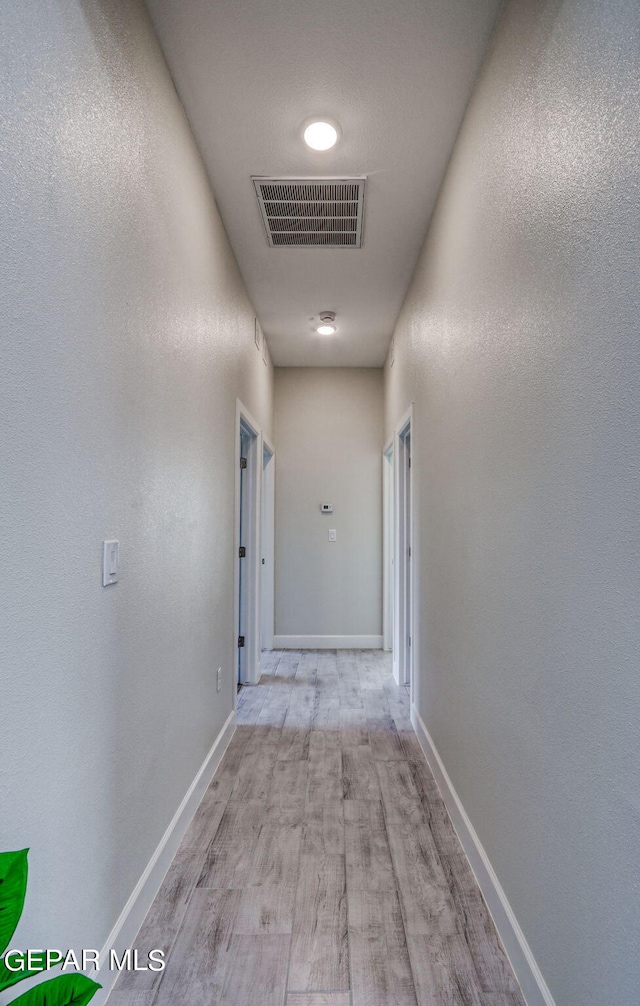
(326, 329)
(320, 135)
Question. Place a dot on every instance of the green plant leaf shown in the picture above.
(13, 887)
(9, 978)
(65, 990)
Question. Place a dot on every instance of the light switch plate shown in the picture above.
(332, 535)
(110, 560)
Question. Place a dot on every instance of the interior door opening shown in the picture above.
(247, 553)
(403, 620)
(267, 589)
(388, 549)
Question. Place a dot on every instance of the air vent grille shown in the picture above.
(312, 212)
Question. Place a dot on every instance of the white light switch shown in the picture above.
(110, 557)
(332, 535)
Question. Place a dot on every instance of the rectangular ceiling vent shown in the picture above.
(312, 212)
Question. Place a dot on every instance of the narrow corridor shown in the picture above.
(321, 868)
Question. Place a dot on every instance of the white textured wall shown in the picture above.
(519, 344)
(328, 429)
(126, 335)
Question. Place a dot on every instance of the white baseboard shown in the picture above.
(534, 988)
(126, 928)
(327, 642)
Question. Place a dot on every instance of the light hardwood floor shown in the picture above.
(321, 868)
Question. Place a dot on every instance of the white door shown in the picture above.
(388, 550)
(247, 578)
(406, 572)
(403, 642)
(268, 549)
(244, 572)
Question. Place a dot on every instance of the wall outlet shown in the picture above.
(219, 679)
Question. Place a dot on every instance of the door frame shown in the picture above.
(404, 637)
(253, 566)
(267, 572)
(387, 545)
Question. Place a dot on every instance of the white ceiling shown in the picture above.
(395, 74)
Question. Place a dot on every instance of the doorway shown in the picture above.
(387, 547)
(403, 594)
(248, 520)
(267, 591)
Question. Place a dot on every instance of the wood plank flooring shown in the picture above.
(321, 868)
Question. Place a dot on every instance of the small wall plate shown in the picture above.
(110, 559)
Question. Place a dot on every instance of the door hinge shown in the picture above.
(409, 551)
(243, 462)
(240, 641)
(242, 552)
(409, 462)
(409, 640)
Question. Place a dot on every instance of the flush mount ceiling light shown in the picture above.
(327, 327)
(319, 134)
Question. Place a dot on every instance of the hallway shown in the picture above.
(321, 868)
